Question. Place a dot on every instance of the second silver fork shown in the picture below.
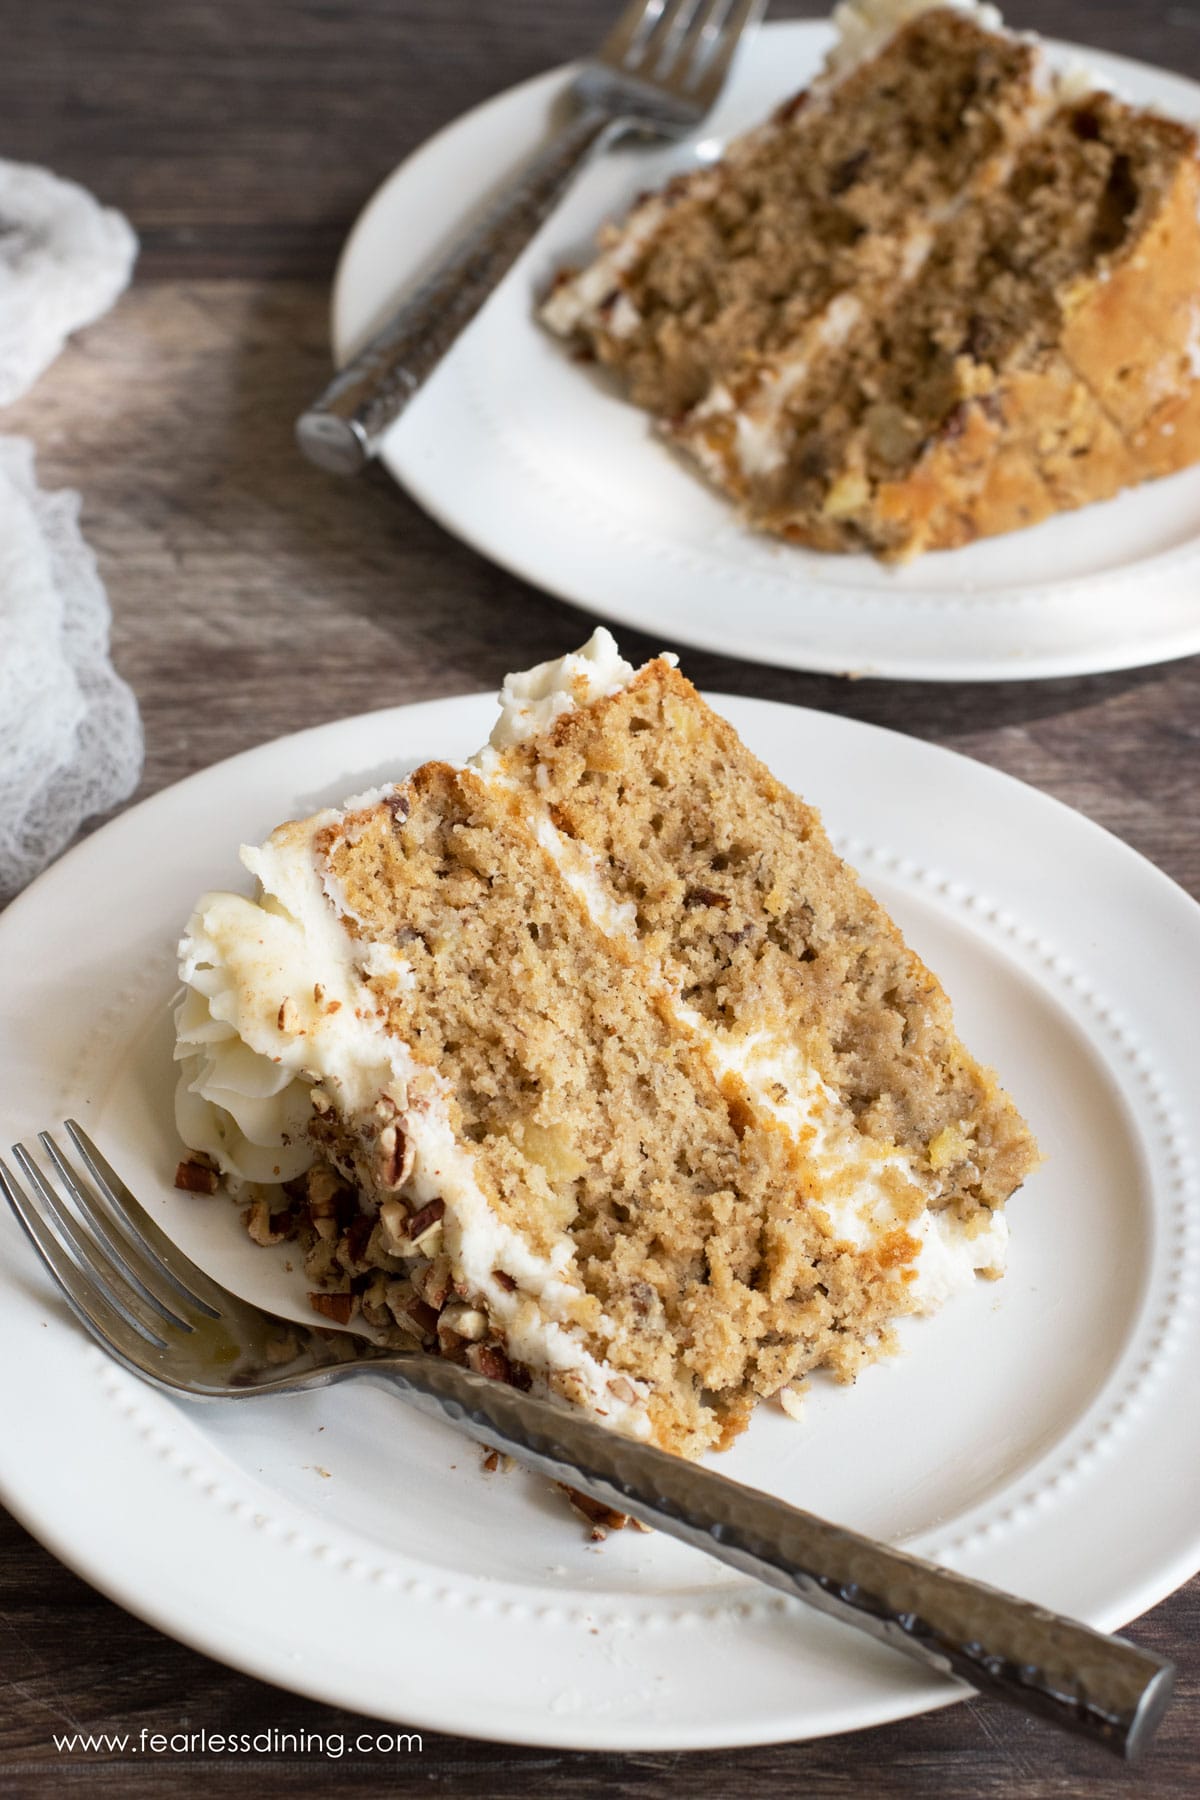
(658, 74)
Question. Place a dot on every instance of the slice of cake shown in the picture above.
(942, 293)
(591, 1064)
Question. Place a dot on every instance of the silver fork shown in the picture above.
(168, 1322)
(657, 74)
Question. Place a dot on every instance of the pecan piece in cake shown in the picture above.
(197, 1176)
(338, 1307)
(600, 1517)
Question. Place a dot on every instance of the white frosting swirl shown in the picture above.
(532, 699)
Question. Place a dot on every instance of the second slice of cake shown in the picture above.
(591, 1064)
(944, 292)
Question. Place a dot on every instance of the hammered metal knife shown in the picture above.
(163, 1319)
(657, 75)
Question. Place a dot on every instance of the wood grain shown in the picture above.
(252, 595)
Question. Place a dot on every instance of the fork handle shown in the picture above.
(342, 429)
(1097, 1686)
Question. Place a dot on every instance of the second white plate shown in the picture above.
(539, 464)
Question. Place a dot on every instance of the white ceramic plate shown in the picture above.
(538, 463)
(1043, 1432)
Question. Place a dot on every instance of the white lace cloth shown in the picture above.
(70, 735)
(64, 258)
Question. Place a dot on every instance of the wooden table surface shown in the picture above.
(252, 595)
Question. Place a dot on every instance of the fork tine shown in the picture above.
(711, 44)
(138, 1273)
(91, 1259)
(56, 1243)
(661, 50)
(631, 30)
(191, 1283)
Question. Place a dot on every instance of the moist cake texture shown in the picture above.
(942, 293)
(591, 1064)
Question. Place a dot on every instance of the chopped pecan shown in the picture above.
(357, 1237)
(393, 1216)
(492, 1361)
(260, 1222)
(504, 1280)
(338, 1307)
(433, 1282)
(373, 1298)
(600, 1517)
(324, 1187)
(319, 1258)
(422, 1317)
(466, 1322)
(424, 1220)
(705, 896)
(196, 1177)
(848, 171)
(396, 1157)
(791, 107)
(642, 1298)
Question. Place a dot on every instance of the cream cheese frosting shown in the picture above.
(532, 699)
